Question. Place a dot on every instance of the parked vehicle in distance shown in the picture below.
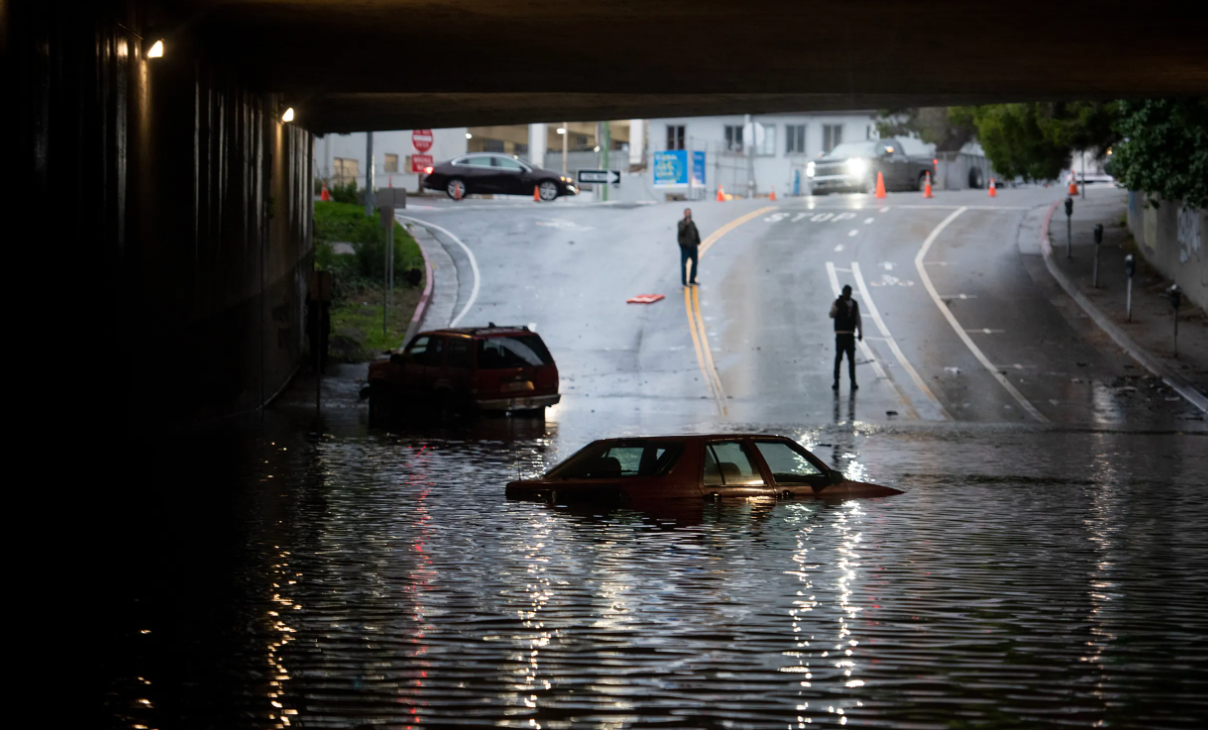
(716, 466)
(489, 172)
(467, 369)
(853, 167)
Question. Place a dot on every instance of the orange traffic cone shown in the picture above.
(880, 185)
(927, 186)
(1073, 185)
(324, 195)
(536, 195)
(721, 196)
(993, 193)
(773, 195)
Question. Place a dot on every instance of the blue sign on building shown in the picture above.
(698, 168)
(670, 168)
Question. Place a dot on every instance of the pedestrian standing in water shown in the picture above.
(848, 328)
(689, 243)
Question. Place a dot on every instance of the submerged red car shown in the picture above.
(703, 467)
(466, 369)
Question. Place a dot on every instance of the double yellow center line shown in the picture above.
(696, 323)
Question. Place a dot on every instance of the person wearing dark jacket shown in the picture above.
(689, 243)
(848, 328)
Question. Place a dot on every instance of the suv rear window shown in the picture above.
(615, 460)
(512, 351)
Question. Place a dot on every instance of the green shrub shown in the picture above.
(344, 193)
(347, 222)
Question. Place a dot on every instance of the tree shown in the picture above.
(1034, 140)
(934, 125)
(1164, 149)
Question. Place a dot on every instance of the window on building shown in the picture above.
(832, 135)
(492, 145)
(765, 139)
(794, 139)
(675, 136)
(391, 163)
(345, 170)
(734, 137)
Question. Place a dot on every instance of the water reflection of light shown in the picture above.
(846, 524)
(802, 606)
(539, 594)
(282, 634)
(1101, 528)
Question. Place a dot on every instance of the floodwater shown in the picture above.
(1029, 577)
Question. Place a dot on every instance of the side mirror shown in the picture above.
(836, 476)
(396, 359)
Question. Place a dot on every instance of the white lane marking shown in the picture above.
(844, 217)
(469, 254)
(798, 217)
(985, 331)
(839, 247)
(846, 271)
(956, 326)
(776, 217)
(882, 210)
(888, 265)
(868, 220)
(853, 231)
(958, 296)
(876, 366)
(821, 217)
(893, 345)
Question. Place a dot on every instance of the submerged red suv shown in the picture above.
(466, 369)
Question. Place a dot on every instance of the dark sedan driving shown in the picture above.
(497, 174)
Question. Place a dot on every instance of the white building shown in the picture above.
(340, 158)
(749, 154)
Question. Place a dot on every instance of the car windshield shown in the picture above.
(619, 459)
(853, 149)
(512, 351)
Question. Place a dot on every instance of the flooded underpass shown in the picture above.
(1028, 577)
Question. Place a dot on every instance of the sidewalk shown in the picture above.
(1149, 336)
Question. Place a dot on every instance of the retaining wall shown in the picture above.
(1171, 238)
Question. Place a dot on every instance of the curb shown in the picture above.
(421, 309)
(1181, 386)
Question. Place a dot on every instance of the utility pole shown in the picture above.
(605, 143)
(369, 174)
(1084, 174)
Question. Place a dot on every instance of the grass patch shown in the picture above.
(358, 277)
(361, 312)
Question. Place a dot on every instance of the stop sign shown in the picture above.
(422, 139)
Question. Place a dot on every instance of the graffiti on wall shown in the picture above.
(1190, 238)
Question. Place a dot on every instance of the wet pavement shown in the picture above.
(1037, 572)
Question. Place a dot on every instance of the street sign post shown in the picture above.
(608, 177)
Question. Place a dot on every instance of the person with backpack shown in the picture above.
(848, 328)
(689, 243)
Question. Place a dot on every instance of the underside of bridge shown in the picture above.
(193, 198)
(401, 64)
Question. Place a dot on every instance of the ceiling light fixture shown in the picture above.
(288, 116)
(157, 50)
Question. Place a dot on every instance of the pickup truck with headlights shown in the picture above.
(853, 167)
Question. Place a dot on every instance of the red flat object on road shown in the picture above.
(644, 299)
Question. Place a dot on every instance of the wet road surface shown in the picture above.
(1038, 572)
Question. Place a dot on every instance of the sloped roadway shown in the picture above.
(959, 324)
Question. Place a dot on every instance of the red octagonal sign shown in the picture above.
(422, 139)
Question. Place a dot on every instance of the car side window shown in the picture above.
(458, 353)
(787, 465)
(884, 148)
(726, 463)
(478, 161)
(507, 164)
(426, 350)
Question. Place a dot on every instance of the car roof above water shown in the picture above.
(480, 331)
